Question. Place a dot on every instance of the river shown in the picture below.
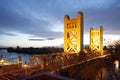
(12, 56)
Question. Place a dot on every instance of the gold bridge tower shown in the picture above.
(73, 33)
(96, 39)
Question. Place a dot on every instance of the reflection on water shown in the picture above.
(116, 63)
(12, 56)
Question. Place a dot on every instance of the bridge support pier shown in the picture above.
(19, 61)
(43, 64)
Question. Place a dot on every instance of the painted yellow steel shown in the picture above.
(96, 39)
(73, 33)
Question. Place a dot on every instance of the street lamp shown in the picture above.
(116, 65)
(26, 69)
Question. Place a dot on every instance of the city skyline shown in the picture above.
(39, 23)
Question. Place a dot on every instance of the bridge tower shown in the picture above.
(73, 33)
(96, 39)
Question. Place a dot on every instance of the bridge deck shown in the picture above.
(52, 64)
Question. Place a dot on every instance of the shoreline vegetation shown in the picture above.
(31, 50)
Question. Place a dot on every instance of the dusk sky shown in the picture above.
(38, 23)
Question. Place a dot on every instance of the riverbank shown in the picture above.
(31, 50)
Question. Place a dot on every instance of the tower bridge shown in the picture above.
(73, 33)
(96, 40)
(66, 61)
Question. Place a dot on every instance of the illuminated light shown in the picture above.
(63, 67)
(26, 71)
(2, 61)
(25, 66)
(46, 64)
(52, 72)
(116, 65)
(57, 69)
(6, 62)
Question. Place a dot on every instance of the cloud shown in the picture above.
(108, 19)
(36, 39)
(50, 38)
(7, 33)
(39, 17)
(41, 39)
(10, 34)
(26, 20)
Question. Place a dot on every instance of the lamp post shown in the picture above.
(26, 69)
(19, 62)
(116, 65)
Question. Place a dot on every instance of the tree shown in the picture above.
(117, 44)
